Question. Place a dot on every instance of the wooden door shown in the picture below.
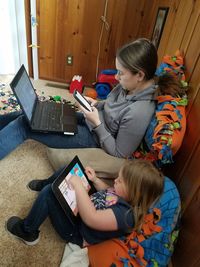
(73, 27)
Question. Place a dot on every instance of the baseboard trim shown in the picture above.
(56, 85)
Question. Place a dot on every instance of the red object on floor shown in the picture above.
(76, 84)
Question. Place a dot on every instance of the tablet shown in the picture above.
(82, 100)
(65, 193)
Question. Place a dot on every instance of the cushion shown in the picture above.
(105, 165)
(165, 132)
(153, 246)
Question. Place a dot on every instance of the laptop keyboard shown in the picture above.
(50, 116)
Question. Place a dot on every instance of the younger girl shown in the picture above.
(106, 214)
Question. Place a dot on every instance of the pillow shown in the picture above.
(166, 131)
(105, 165)
(153, 246)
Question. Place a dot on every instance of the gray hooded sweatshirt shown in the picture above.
(125, 119)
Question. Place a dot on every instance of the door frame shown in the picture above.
(31, 32)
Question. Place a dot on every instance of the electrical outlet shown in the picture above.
(69, 60)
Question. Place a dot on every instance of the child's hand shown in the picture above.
(90, 174)
(74, 181)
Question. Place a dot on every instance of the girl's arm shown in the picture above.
(103, 220)
(98, 183)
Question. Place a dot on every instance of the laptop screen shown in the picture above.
(24, 91)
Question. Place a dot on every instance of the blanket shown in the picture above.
(74, 256)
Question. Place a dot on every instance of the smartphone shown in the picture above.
(82, 100)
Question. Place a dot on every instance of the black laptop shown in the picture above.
(43, 116)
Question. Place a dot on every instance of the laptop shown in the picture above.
(43, 116)
(63, 191)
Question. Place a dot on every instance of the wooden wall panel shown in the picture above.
(194, 85)
(178, 28)
(121, 30)
(190, 180)
(74, 26)
(169, 24)
(189, 32)
(181, 32)
(135, 11)
(148, 19)
(68, 27)
(185, 35)
(187, 248)
(111, 37)
(191, 139)
(193, 50)
(46, 21)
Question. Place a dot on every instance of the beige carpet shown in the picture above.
(27, 162)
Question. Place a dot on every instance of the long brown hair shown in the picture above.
(145, 184)
(139, 55)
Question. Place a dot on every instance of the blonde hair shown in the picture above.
(145, 184)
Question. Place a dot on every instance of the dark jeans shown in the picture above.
(14, 130)
(47, 205)
(52, 178)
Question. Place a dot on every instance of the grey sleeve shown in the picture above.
(131, 130)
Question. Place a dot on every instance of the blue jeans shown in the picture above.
(47, 205)
(52, 178)
(14, 130)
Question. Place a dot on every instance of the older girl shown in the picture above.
(114, 124)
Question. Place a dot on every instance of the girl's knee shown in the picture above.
(47, 190)
(47, 194)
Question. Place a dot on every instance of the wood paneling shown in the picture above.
(74, 26)
(178, 28)
(182, 32)
(68, 28)
(187, 249)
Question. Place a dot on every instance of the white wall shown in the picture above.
(13, 46)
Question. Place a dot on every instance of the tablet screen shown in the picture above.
(68, 192)
(64, 192)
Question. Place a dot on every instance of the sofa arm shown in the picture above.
(105, 165)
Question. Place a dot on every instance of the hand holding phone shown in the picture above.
(82, 100)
